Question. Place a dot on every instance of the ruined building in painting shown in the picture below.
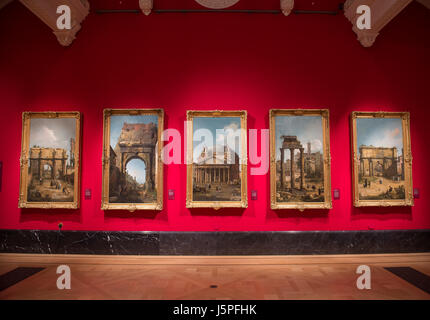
(291, 143)
(301, 179)
(51, 163)
(313, 162)
(380, 162)
(51, 173)
(219, 165)
(136, 141)
(306, 164)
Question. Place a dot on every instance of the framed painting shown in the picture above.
(300, 159)
(50, 170)
(132, 163)
(216, 159)
(381, 159)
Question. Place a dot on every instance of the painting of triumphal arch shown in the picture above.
(381, 159)
(300, 154)
(50, 160)
(132, 167)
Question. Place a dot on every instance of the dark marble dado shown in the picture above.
(214, 243)
(79, 242)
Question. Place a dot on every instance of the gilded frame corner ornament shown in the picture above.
(243, 203)
(301, 206)
(24, 160)
(405, 118)
(132, 207)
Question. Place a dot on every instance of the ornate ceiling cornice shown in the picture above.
(217, 4)
(382, 12)
(46, 11)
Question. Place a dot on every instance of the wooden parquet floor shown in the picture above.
(194, 278)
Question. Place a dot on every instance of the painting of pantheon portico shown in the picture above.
(300, 159)
(216, 159)
(382, 161)
(132, 164)
(50, 160)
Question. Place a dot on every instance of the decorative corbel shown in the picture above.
(46, 11)
(146, 6)
(287, 6)
(381, 13)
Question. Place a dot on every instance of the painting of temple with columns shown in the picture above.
(216, 169)
(133, 159)
(216, 175)
(381, 171)
(51, 171)
(299, 159)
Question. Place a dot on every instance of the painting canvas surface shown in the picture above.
(133, 158)
(52, 160)
(381, 173)
(299, 159)
(216, 159)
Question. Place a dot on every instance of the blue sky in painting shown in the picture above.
(212, 124)
(136, 167)
(306, 128)
(383, 132)
(52, 133)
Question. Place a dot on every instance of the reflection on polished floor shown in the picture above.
(214, 277)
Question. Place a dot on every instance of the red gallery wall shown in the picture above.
(213, 61)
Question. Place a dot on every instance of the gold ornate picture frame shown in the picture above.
(217, 175)
(309, 184)
(50, 160)
(381, 159)
(132, 159)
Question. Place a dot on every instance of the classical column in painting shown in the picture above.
(302, 169)
(292, 173)
(282, 169)
(40, 164)
(63, 164)
(54, 165)
(291, 143)
(150, 170)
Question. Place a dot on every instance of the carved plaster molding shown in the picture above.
(47, 12)
(382, 12)
(217, 4)
(146, 6)
(287, 6)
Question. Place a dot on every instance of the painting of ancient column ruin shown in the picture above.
(216, 149)
(132, 166)
(300, 153)
(50, 160)
(381, 159)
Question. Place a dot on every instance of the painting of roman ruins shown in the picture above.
(50, 160)
(132, 165)
(382, 159)
(300, 159)
(216, 153)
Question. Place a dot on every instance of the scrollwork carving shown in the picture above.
(217, 4)
(287, 6)
(146, 6)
